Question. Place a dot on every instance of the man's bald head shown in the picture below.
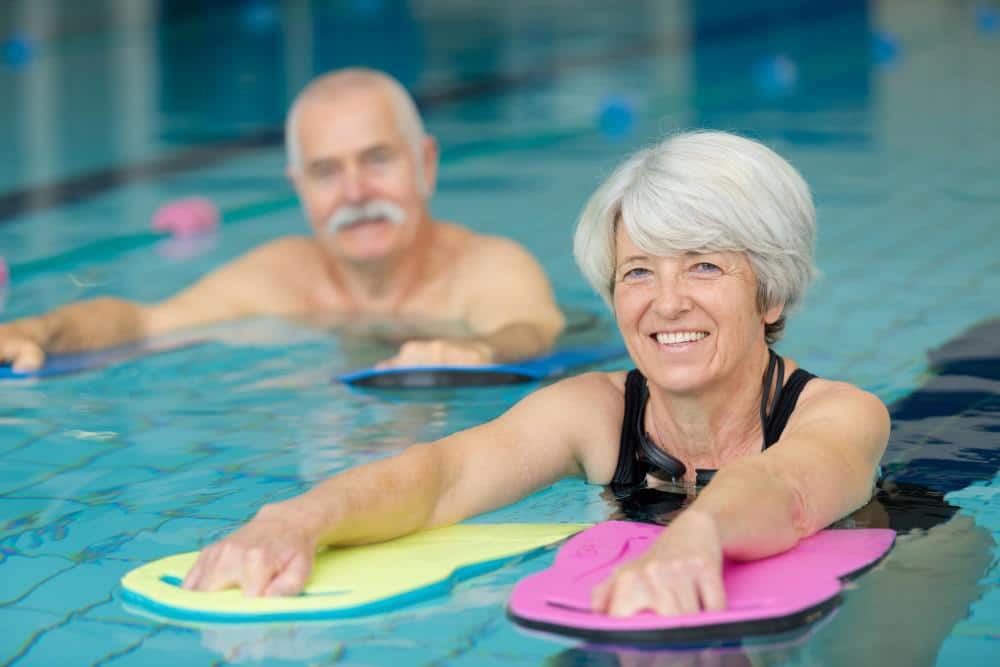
(340, 82)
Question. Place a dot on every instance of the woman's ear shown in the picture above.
(773, 314)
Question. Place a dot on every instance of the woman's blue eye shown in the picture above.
(635, 273)
(706, 267)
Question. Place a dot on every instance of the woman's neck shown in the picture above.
(704, 429)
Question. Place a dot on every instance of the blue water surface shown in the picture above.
(111, 108)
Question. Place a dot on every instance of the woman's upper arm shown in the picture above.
(830, 451)
(545, 437)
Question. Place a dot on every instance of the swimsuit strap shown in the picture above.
(629, 472)
(784, 405)
(774, 364)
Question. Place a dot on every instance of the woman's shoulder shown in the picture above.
(599, 385)
(587, 401)
(591, 407)
(824, 398)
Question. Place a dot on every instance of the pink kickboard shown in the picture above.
(774, 594)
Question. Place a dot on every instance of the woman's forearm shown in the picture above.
(756, 512)
(369, 503)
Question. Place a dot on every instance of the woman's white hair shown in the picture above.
(706, 191)
(336, 83)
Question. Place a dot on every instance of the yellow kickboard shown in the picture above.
(348, 582)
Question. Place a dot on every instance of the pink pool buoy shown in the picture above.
(187, 217)
(4, 273)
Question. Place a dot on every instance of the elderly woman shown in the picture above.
(701, 245)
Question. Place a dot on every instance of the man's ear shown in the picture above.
(429, 156)
(292, 174)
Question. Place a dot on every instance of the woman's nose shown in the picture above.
(672, 298)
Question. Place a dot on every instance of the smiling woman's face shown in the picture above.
(688, 320)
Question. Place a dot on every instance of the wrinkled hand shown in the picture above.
(680, 574)
(23, 353)
(440, 352)
(272, 555)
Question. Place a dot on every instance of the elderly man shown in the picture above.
(364, 171)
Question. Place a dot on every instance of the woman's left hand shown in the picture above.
(680, 574)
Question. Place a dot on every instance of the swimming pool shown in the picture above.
(888, 108)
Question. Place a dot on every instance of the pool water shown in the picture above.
(111, 108)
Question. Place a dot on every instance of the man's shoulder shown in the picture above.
(479, 249)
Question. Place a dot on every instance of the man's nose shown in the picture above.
(355, 186)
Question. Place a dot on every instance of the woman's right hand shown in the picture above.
(272, 555)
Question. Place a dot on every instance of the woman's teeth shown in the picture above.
(679, 337)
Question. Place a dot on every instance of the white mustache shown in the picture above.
(376, 208)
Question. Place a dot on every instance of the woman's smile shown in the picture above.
(678, 339)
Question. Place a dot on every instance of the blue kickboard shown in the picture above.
(66, 364)
(551, 365)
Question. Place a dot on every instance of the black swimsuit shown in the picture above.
(630, 473)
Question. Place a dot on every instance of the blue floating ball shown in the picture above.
(616, 117)
(260, 16)
(17, 51)
(884, 47)
(776, 76)
(987, 19)
(367, 8)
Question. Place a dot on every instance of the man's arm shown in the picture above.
(508, 305)
(249, 285)
(86, 325)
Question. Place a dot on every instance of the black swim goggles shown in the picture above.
(666, 468)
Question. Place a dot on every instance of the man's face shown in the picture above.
(358, 178)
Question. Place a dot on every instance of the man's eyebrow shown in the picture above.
(321, 162)
(378, 148)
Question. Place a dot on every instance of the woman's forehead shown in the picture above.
(625, 246)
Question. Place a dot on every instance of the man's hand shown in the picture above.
(19, 350)
(441, 352)
(271, 555)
